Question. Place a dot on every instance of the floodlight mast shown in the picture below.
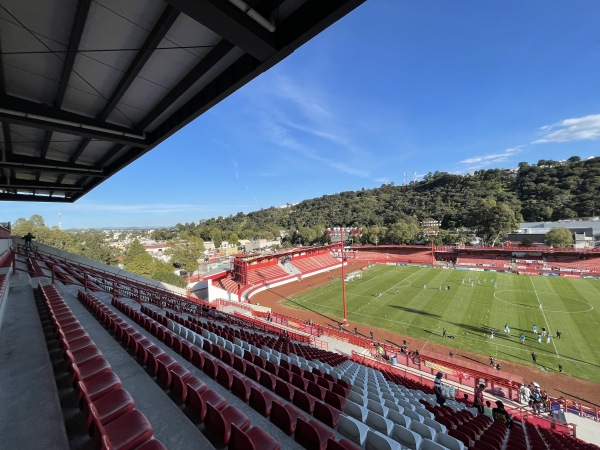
(353, 231)
(431, 230)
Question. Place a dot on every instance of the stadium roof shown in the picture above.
(89, 86)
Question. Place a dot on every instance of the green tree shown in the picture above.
(403, 233)
(186, 252)
(494, 220)
(142, 264)
(559, 238)
(134, 249)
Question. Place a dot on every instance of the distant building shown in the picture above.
(586, 233)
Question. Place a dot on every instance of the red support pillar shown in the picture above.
(343, 276)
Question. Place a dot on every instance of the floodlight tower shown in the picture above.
(334, 233)
(431, 228)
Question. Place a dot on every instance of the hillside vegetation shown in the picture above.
(490, 202)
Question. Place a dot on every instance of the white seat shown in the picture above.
(352, 429)
(423, 412)
(387, 396)
(274, 359)
(229, 345)
(183, 332)
(430, 445)
(391, 405)
(378, 441)
(355, 410)
(405, 404)
(438, 427)
(377, 407)
(413, 415)
(239, 351)
(448, 441)
(379, 423)
(374, 396)
(422, 429)
(357, 398)
(398, 418)
(358, 389)
(171, 324)
(406, 437)
(198, 340)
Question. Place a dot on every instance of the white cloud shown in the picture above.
(576, 129)
(486, 160)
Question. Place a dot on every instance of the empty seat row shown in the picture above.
(112, 418)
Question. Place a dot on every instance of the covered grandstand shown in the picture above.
(96, 357)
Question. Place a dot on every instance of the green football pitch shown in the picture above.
(411, 303)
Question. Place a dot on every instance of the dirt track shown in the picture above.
(556, 384)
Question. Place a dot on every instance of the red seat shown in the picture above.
(163, 373)
(312, 435)
(284, 390)
(84, 355)
(186, 349)
(147, 351)
(227, 357)
(299, 382)
(315, 390)
(267, 380)
(285, 417)
(126, 432)
(153, 360)
(239, 364)
(335, 400)
(197, 357)
(179, 376)
(260, 402)
(89, 370)
(253, 439)
(284, 374)
(210, 367)
(252, 372)
(217, 352)
(109, 407)
(196, 401)
(224, 377)
(465, 439)
(99, 386)
(220, 421)
(304, 401)
(323, 382)
(326, 414)
(271, 368)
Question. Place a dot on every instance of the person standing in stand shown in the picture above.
(27, 238)
(437, 388)
(478, 401)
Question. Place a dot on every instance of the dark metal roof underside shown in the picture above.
(89, 86)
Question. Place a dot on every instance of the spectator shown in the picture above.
(478, 401)
(487, 409)
(437, 388)
(27, 238)
(499, 414)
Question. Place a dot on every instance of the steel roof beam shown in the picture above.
(30, 114)
(227, 21)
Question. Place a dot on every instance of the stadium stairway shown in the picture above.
(31, 412)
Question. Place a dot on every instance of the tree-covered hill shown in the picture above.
(490, 201)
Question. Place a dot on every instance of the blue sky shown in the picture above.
(395, 87)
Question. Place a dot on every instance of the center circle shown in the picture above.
(542, 296)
